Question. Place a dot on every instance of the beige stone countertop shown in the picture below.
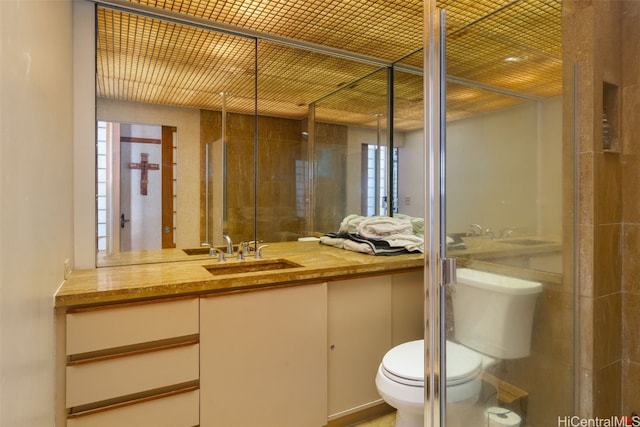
(482, 247)
(188, 275)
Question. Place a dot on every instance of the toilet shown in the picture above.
(493, 316)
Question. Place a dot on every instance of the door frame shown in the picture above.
(168, 135)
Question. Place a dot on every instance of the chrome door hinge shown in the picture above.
(448, 269)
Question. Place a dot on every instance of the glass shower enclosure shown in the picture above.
(501, 294)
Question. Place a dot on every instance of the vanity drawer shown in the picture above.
(99, 328)
(179, 409)
(104, 378)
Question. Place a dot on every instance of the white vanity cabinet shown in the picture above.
(133, 364)
(367, 316)
(264, 358)
(359, 335)
(293, 355)
(407, 307)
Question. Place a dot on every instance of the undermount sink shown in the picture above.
(239, 267)
(205, 250)
(527, 242)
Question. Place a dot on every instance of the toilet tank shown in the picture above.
(493, 314)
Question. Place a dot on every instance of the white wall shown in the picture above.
(36, 200)
(84, 134)
(411, 175)
(492, 170)
(550, 167)
(504, 169)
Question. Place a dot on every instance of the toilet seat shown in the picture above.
(404, 364)
(463, 364)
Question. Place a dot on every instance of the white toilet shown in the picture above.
(493, 320)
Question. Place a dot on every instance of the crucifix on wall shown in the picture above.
(144, 167)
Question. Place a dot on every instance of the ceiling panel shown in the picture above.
(494, 47)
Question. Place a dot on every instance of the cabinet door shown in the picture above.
(263, 358)
(359, 336)
(408, 297)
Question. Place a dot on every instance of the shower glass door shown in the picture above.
(506, 322)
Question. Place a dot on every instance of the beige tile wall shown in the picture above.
(631, 209)
(603, 39)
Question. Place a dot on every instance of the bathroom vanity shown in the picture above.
(189, 343)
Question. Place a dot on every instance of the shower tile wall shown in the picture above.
(281, 151)
(546, 375)
(631, 208)
(602, 38)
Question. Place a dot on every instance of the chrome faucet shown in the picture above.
(506, 233)
(228, 243)
(259, 251)
(476, 230)
(244, 249)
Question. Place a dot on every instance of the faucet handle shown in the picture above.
(259, 251)
(221, 257)
(242, 248)
(506, 233)
(249, 244)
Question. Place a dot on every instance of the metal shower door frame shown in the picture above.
(436, 269)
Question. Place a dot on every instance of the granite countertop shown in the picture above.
(171, 272)
(182, 275)
(485, 248)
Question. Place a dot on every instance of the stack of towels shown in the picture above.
(378, 235)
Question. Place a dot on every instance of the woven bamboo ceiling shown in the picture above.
(331, 52)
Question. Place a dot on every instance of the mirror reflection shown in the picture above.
(276, 142)
(136, 180)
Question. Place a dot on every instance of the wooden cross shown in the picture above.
(144, 166)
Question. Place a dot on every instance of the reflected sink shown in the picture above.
(239, 267)
(527, 242)
(205, 250)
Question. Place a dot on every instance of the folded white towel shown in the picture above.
(408, 241)
(381, 227)
(349, 224)
(418, 223)
(337, 242)
(358, 247)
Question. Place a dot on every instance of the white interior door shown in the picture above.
(140, 187)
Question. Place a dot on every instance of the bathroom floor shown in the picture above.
(390, 419)
(384, 421)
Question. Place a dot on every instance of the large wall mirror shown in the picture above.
(275, 140)
(263, 138)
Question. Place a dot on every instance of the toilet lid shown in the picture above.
(405, 363)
